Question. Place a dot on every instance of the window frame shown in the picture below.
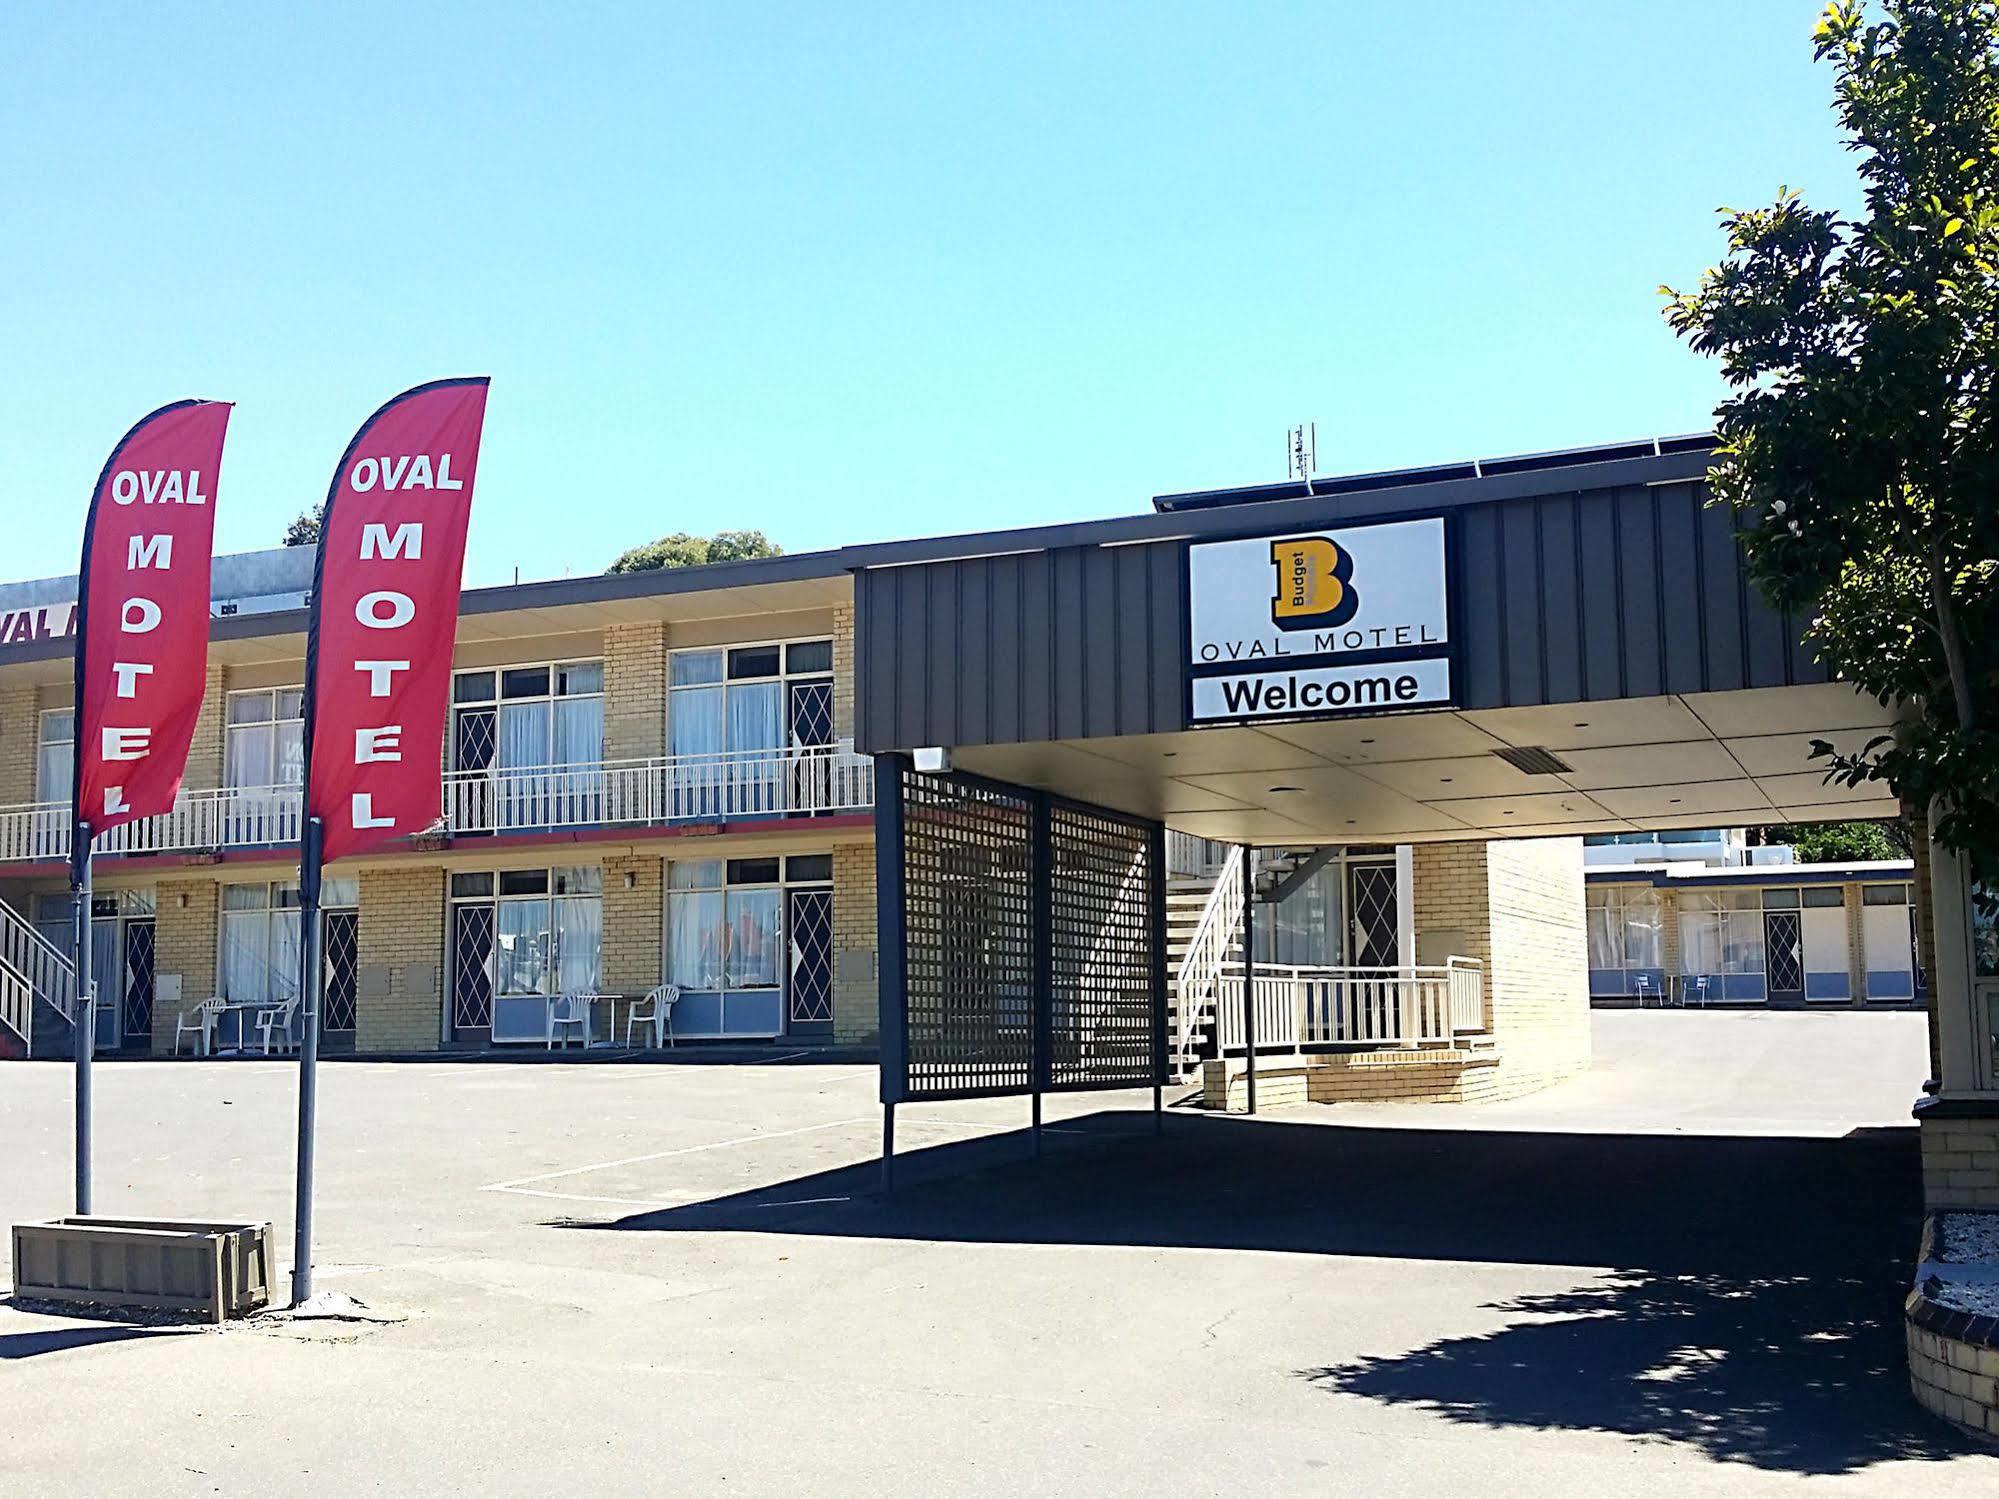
(499, 700)
(272, 778)
(784, 678)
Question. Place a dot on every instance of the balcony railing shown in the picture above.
(1300, 1008)
(725, 787)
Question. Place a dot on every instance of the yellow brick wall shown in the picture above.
(635, 691)
(184, 943)
(1955, 1379)
(1518, 907)
(402, 941)
(19, 730)
(856, 1000)
(1960, 1163)
(1537, 985)
(634, 934)
(843, 671)
(204, 750)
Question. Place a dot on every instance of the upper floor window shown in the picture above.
(750, 697)
(265, 738)
(528, 717)
(55, 755)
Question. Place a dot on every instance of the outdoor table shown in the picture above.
(246, 1013)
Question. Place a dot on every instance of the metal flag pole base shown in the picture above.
(308, 1059)
(85, 1012)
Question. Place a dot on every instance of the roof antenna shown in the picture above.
(1302, 450)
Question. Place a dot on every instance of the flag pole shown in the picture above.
(85, 1012)
(308, 1056)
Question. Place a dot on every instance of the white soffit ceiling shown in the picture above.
(1636, 764)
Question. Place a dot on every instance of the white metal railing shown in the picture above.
(1298, 1007)
(17, 1004)
(1189, 855)
(48, 974)
(668, 788)
(1196, 982)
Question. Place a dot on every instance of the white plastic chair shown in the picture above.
(275, 1024)
(658, 1013)
(569, 1009)
(200, 1020)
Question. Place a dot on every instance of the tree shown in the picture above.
(304, 532)
(1859, 444)
(683, 550)
(1842, 842)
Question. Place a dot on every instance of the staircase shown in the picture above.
(1204, 934)
(37, 991)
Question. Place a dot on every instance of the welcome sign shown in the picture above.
(1319, 624)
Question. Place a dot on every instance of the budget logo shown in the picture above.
(1314, 587)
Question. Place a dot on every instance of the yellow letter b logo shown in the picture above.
(1314, 584)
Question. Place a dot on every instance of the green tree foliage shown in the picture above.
(1842, 842)
(683, 550)
(1860, 440)
(304, 532)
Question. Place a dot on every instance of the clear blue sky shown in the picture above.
(852, 272)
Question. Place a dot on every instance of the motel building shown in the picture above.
(1001, 805)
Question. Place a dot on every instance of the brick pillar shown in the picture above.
(204, 750)
(185, 935)
(20, 732)
(1856, 943)
(1517, 906)
(856, 997)
(843, 671)
(1669, 937)
(400, 1001)
(635, 691)
(634, 934)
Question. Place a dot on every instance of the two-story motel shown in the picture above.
(635, 766)
(655, 777)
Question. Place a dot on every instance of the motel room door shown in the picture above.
(1375, 931)
(1783, 957)
(809, 946)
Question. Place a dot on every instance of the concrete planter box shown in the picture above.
(217, 1270)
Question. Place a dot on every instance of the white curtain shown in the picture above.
(756, 716)
(579, 942)
(753, 939)
(285, 955)
(696, 938)
(248, 757)
(245, 955)
(520, 947)
(696, 721)
(523, 736)
(579, 731)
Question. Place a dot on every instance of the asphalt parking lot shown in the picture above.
(1679, 1275)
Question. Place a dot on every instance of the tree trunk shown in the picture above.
(1953, 643)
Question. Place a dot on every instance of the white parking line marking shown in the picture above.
(661, 1155)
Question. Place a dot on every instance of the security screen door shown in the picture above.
(1784, 957)
(1373, 929)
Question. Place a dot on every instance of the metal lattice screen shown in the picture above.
(967, 848)
(1031, 952)
(1100, 1020)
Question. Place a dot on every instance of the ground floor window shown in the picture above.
(749, 942)
(1626, 947)
(260, 943)
(1888, 935)
(1721, 944)
(518, 936)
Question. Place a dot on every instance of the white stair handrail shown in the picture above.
(49, 974)
(1197, 983)
(17, 1005)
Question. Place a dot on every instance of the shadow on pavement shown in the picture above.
(1751, 1305)
(16, 1345)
